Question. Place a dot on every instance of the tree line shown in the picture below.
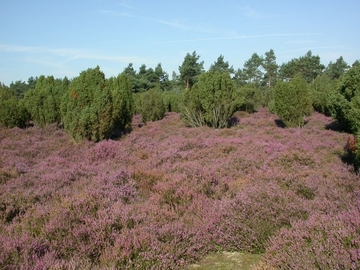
(92, 107)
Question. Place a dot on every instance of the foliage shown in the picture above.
(345, 101)
(321, 89)
(308, 65)
(321, 242)
(345, 107)
(293, 101)
(252, 69)
(221, 66)
(211, 101)
(172, 100)
(190, 69)
(337, 69)
(122, 102)
(147, 78)
(20, 87)
(271, 68)
(151, 106)
(43, 102)
(250, 98)
(12, 111)
(86, 107)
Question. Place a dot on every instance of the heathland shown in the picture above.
(165, 195)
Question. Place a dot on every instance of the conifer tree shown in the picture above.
(190, 69)
(86, 108)
(123, 102)
(293, 101)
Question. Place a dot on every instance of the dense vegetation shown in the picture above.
(279, 181)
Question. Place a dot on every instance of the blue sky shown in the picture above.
(63, 38)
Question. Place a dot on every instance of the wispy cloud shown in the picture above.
(181, 24)
(68, 54)
(251, 13)
(126, 4)
(300, 41)
(231, 37)
(120, 14)
(313, 48)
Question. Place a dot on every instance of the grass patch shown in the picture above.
(228, 261)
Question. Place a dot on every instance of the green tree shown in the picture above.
(252, 69)
(19, 88)
(222, 66)
(344, 101)
(335, 70)
(248, 98)
(122, 100)
(172, 100)
(43, 102)
(152, 107)
(293, 101)
(12, 111)
(308, 66)
(132, 76)
(321, 88)
(190, 69)
(271, 68)
(86, 107)
(239, 77)
(162, 78)
(210, 101)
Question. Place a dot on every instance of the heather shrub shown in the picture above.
(255, 214)
(293, 101)
(321, 242)
(211, 101)
(151, 106)
(165, 195)
(12, 110)
(86, 107)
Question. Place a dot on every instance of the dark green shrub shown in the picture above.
(86, 108)
(151, 106)
(12, 111)
(43, 102)
(250, 97)
(172, 100)
(122, 100)
(211, 101)
(293, 101)
(344, 101)
(321, 88)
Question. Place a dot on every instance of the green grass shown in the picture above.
(227, 261)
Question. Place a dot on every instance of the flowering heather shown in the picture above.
(165, 195)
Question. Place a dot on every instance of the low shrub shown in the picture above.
(321, 242)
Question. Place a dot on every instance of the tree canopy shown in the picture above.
(190, 69)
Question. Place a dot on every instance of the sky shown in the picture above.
(64, 38)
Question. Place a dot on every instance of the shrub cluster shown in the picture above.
(12, 112)
(211, 101)
(150, 105)
(344, 105)
(293, 101)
